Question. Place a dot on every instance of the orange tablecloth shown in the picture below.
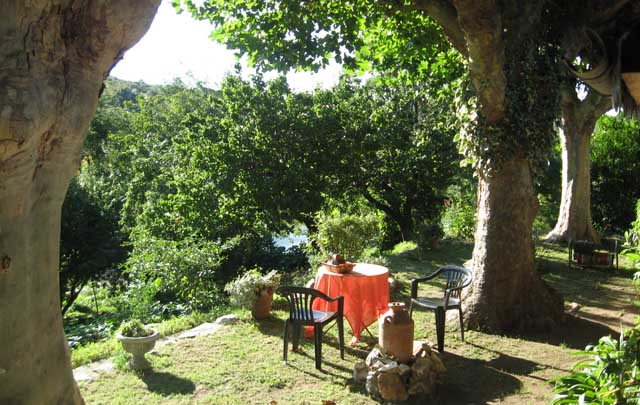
(365, 291)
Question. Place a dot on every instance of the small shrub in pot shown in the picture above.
(137, 339)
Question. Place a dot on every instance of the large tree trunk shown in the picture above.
(54, 57)
(578, 121)
(507, 292)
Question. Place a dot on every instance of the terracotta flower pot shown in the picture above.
(262, 307)
(138, 346)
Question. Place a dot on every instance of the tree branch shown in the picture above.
(482, 26)
(606, 10)
(377, 204)
(595, 104)
(443, 12)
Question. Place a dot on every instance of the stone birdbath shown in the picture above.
(137, 339)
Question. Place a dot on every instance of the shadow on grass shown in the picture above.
(575, 333)
(167, 384)
(478, 381)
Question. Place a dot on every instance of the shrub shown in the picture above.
(246, 289)
(249, 250)
(615, 171)
(347, 234)
(608, 376)
(632, 240)
(426, 233)
(172, 277)
(459, 216)
(547, 215)
(135, 328)
(90, 245)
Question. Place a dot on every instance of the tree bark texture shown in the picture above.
(507, 292)
(54, 57)
(578, 121)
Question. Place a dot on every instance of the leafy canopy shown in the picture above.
(361, 34)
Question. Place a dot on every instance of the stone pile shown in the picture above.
(389, 380)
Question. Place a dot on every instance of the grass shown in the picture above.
(242, 363)
(110, 347)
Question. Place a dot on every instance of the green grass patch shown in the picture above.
(101, 350)
(242, 363)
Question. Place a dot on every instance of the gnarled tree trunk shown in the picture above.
(507, 292)
(54, 57)
(578, 121)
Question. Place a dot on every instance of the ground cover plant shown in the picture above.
(242, 363)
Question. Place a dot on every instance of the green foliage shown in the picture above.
(171, 277)
(346, 234)
(135, 328)
(615, 171)
(547, 215)
(362, 34)
(246, 289)
(94, 351)
(108, 347)
(397, 149)
(404, 248)
(632, 240)
(609, 375)
(459, 216)
(90, 244)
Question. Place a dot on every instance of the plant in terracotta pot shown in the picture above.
(254, 290)
(137, 339)
(429, 235)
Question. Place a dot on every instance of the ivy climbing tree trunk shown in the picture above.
(506, 291)
(54, 57)
(578, 121)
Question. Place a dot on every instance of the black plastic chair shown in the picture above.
(300, 301)
(456, 278)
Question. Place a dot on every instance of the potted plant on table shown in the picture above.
(137, 339)
(254, 290)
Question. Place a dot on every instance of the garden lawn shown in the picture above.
(242, 363)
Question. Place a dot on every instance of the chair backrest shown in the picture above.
(457, 278)
(300, 300)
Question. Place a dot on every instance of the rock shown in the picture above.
(422, 366)
(227, 319)
(201, 330)
(391, 387)
(422, 349)
(404, 370)
(420, 386)
(360, 371)
(375, 354)
(393, 284)
(574, 307)
(393, 381)
(438, 365)
(391, 367)
(372, 385)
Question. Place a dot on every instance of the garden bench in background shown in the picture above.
(589, 254)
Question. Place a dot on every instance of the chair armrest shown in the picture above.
(325, 297)
(416, 281)
(340, 300)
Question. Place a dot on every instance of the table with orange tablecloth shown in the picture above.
(365, 291)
